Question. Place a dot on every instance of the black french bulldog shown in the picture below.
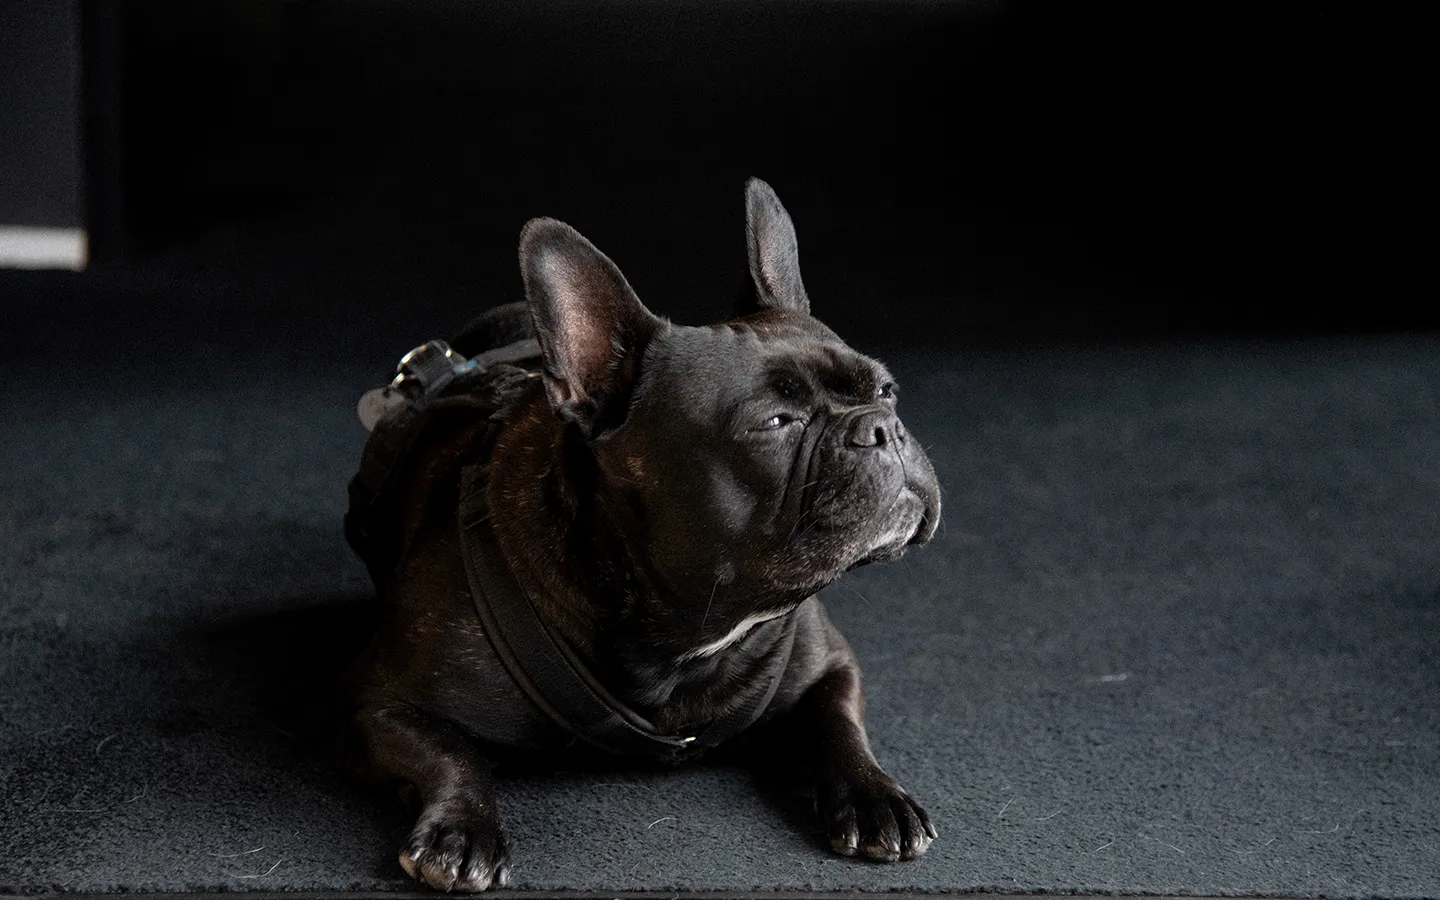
(667, 500)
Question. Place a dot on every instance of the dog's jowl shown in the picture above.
(597, 532)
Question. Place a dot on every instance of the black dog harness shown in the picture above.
(542, 664)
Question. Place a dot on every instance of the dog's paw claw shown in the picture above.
(872, 816)
(455, 848)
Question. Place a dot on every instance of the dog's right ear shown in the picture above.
(591, 327)
(773, 253)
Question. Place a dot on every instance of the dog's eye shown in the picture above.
(779, 421)
(887, 391)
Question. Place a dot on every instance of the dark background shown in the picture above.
(41, 166)
(967, 169)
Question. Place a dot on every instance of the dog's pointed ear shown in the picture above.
(591, 327)
(774, 257)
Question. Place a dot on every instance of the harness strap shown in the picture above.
(546, 668)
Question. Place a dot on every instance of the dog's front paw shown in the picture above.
(869, 814)
(457, 847)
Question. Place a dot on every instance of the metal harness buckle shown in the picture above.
(426, 371)
(421, 373)
(429, 364)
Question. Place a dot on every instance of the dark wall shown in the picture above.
(40, 150)
(1002, 167)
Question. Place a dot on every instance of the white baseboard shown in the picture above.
(24, 247)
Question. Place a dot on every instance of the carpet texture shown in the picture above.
(1179, 633)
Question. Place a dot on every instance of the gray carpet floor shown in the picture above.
(1180, 633)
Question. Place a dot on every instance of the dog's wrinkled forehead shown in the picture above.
(798, 356)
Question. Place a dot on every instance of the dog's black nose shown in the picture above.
(875, 428)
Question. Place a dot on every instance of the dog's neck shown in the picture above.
(564, 540)
(554, 560)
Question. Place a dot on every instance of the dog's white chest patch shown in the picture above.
(734, 634)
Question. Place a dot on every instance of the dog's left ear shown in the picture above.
(591, 327)
(774, 258)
